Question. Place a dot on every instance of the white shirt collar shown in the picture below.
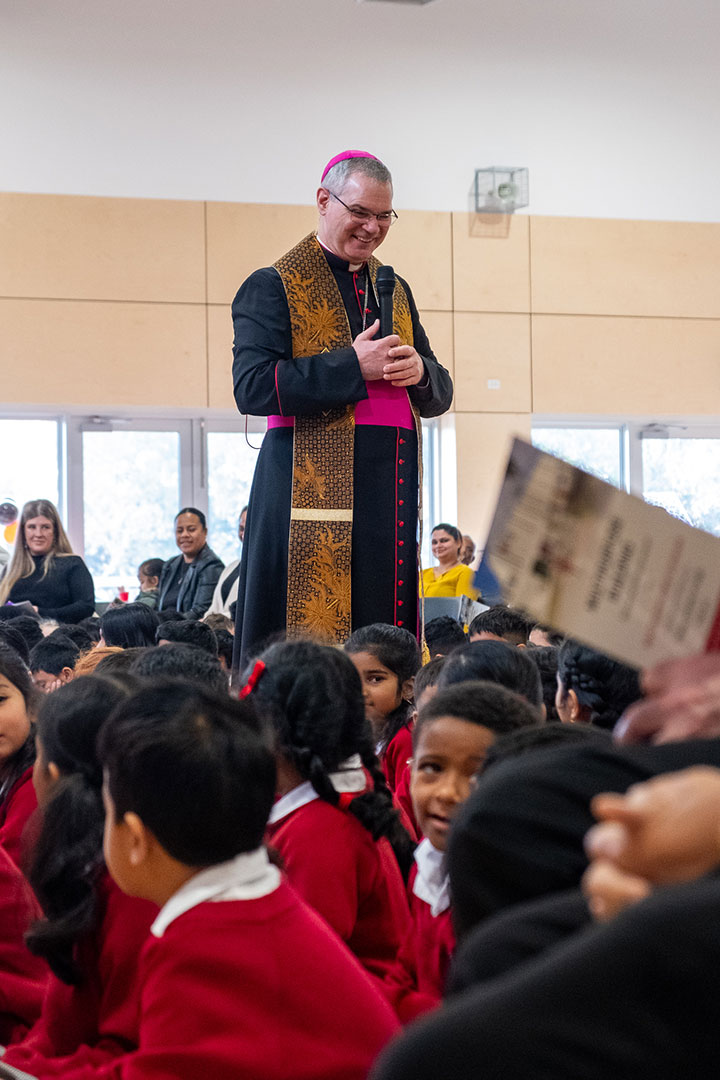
(350, 776)
(246, 877)
(432, 883)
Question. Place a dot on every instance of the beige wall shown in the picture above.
(125, 302)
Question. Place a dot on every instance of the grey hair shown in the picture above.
(338, 176)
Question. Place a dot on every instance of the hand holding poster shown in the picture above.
(600, 565)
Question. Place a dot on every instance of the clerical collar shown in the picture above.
(337, 262)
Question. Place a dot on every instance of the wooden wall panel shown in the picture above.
(99, 354)
(81, 248)
(220, 339)
(492, 363)
(419, 247)
(653, 268)
(438, 326)
(483, 444)
(625, 366)
(491, 273)
(244, 236)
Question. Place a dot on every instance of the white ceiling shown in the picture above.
(612, 105)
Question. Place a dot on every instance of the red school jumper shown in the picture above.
(92, 1023)
(259, 989)
(17, 806)
(417, 981)
(353, 881)
(23, 977)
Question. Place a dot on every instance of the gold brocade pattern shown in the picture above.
(319, 549)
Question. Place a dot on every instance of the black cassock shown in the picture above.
(384, 533)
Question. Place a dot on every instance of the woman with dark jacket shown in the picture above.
(44, 571)
(188, 581)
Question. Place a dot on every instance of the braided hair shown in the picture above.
(312, 696)
(603, 686)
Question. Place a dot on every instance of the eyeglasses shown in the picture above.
(358, 214)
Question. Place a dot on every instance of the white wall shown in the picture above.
(611, 103)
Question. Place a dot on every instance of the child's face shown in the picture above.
(448, 754)
(14, 720)
(382, 689)
(147, 583)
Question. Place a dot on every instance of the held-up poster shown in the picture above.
(600, 565)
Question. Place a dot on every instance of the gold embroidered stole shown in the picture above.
(319, 549)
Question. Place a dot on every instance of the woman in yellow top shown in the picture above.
(451, 577)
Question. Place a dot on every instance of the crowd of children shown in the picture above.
(271, 882)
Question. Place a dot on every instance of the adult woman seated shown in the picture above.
(451, 577)
(188, 581)
(44, 571)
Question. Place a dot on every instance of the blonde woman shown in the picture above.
(44, 571)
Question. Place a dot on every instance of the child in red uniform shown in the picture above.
(23, 977)
(452, 735)
(331, 832)
(18, 698)
(387, 659)
(92, 933)
(424, 688)
(240, 978)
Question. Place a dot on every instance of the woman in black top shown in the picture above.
(44, 571)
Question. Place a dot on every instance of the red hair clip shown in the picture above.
(253, 679)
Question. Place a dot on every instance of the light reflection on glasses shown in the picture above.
(357, 213)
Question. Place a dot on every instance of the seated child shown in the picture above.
(240, 978)
(52, 662)
(91, 933)
(333, 823)
(500, 623)
(424, 688)
(18, 699)
(592, 688)
(387, 659)
(149, 580)
(453, 733)
(497, 662)
(23, 977)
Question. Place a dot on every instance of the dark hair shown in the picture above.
(428, 675)
(119, 663)
(16, 672)
(195, 767)
(54, 653)
(555, 637)
(539, 737)
(11, 612)
(484, 703)
(152, 567)
(169, 615)
(451, 529)
(225, 645)
(443, 634)
(397, 650)
(606, 687)
(12, 637)
(494, 661)
(545, 659)
(28, 627)
(184, 662)
(503, 622)
(129, 625)
(67, 856)
(76, 633)
(193, 510)
(188, 632)
(91, 626)
(312, 696)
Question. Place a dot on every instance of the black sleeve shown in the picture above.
(435, 398)
(207, 580)
(79, 585)
(267, 379)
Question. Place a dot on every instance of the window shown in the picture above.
(30, 467)
(230, 464)
(681, 474)
(595, 449)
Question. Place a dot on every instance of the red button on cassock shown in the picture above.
(401, 502)
(399, 603)
(401, 582)
(399, 622)
(400, 543)
(401, 481)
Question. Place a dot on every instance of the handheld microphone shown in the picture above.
(385, 286)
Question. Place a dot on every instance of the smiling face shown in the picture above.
(445, 548)
(39, 535)
(14, 719)
(354, 240)
(448, 754)
(190, 536)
